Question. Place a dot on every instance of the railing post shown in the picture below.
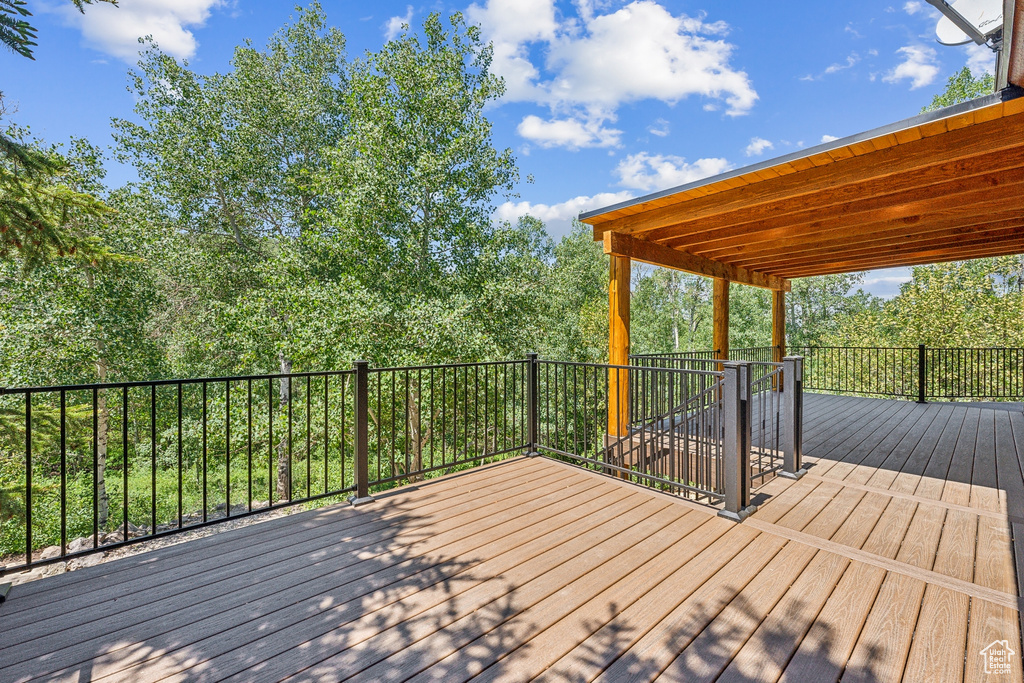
(362, 434)
(736, 441)
(921, 374)
(532, 390)
(793, 417)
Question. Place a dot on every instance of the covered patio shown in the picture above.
(943, 186)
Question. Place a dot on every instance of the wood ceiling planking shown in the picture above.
(945, 189)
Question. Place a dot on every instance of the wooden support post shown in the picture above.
(618, 345)
(720, 331)
(778, 326)
(778, 333)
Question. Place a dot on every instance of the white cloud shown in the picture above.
(571, 133)
(393, 27)
(659, 128)
(912, 7)
(828, 138)
(980, 60)
(649, 172)
(850, 61)
(583, 69)
(558, 217)
(116, 30)
(918, 65)
(757, 147)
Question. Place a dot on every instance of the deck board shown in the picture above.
(532, 569)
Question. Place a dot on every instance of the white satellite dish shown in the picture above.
(985, 15)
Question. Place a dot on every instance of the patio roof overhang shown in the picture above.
(943, 186)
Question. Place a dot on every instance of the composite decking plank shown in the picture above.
(799, 503)
(823, 654)
(368, 525)
(880, 464)
(399, 501)
(771, 647)
(648, 656)
(904, 475)
(819, 407)
(957, 487)
(827, 518)
(608, 643)
(707, 656)
(424, 641)
(530, 660)
(825, 522)
(846, 459)
(240, 647)
(171, 626)
(933, 476)
(884, 644)
(937, 650)
(1010, 482)
(984, 493)
(619, 582)
(538, 577)
(828, 434)
(847, 433)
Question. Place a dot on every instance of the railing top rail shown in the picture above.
(633, 368)
(854, 348)
(405, 368)
(169, 382)
(973, 348)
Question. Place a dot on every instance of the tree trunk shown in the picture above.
(284, 466)
(102, 430)
(102, 425)
(415, 444)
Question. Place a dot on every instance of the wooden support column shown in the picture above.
(618, 345)
(720, 329)
(778, 326)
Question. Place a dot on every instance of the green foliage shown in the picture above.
(962, 304)
(45, 212)
(962, 87)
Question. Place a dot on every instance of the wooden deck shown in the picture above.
(893, 559)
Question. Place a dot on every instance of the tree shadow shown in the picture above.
(449, 583)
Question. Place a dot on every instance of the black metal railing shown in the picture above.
(766, 420)
(918, 373)
(443, 417)
(671, 439)
(88, 468)
(866, 371)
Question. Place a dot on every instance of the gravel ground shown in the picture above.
(143, 546)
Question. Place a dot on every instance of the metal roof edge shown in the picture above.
(1009, 93)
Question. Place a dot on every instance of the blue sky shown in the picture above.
(606, 99)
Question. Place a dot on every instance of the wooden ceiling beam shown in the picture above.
(1007, 233)
(883, 238)
(937, 188)
(616, 244)
(1006, 195)
(982, 138)
(1003, 249)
